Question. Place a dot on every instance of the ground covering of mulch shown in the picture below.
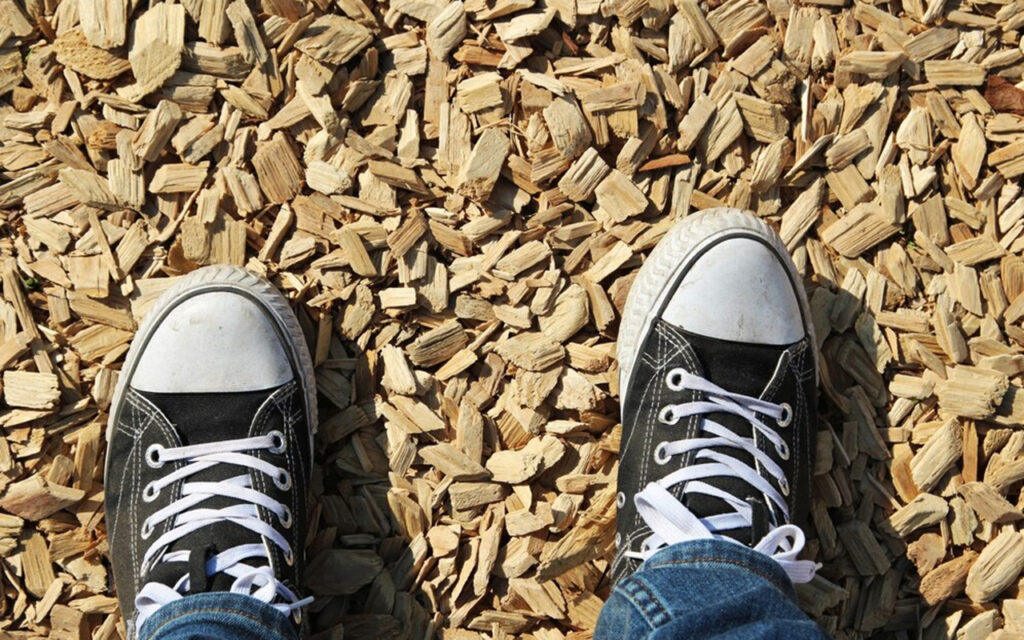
(456, 196)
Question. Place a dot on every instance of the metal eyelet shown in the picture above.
(286, 518)
(149, 493)
(147, 530)
(283, 480)
(289, 557)
(784, 485)
(783, 450)
(297, 616)
(280, 444)
(661, 456)
(153, 456)
(667, 416)
(620, 500)
(787, 415)
(674, 380)
(618, 539)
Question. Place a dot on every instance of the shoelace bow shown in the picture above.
(256, 581)
(671, 522)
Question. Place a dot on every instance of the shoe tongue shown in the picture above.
(209, 417)
(736, 366)
(201, 418)
(739, 368)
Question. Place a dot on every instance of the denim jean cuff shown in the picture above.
(715, 551)
(219, 615)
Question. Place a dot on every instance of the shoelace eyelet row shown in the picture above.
(668, 416)
(676, 380)
(670, 520)
(186, 511)
(153, 452)
(285, 517)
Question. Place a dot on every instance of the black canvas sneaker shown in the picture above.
(209, 447)
(718, 382)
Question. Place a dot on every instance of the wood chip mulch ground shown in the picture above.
(457, 195)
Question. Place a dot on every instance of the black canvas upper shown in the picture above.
(181, 419)
(773, 373)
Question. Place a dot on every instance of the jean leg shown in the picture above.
(218, 616)
(709, 589)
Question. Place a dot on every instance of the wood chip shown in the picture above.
(30, 390)
(939, 453)
(989, 505)
(333, 39)
(34, 498)
(158, 42)
(532, 351)
(948, 579)
(861, 229)
(997, 567)
(923, 511)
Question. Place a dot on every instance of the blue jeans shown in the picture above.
(707, 589)
(218, 616)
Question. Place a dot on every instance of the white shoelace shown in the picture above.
(671, 522)
(256, 581)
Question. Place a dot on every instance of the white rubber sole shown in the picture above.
(223, 278)
(673, 255)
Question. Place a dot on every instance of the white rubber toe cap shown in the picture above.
(738, 290)
(213, 342)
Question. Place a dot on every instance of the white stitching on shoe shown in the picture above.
(622, 553)
(133, 521)
(685, 351)
(277, 400)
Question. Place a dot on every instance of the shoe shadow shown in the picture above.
(889, 565)
(352, 550)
